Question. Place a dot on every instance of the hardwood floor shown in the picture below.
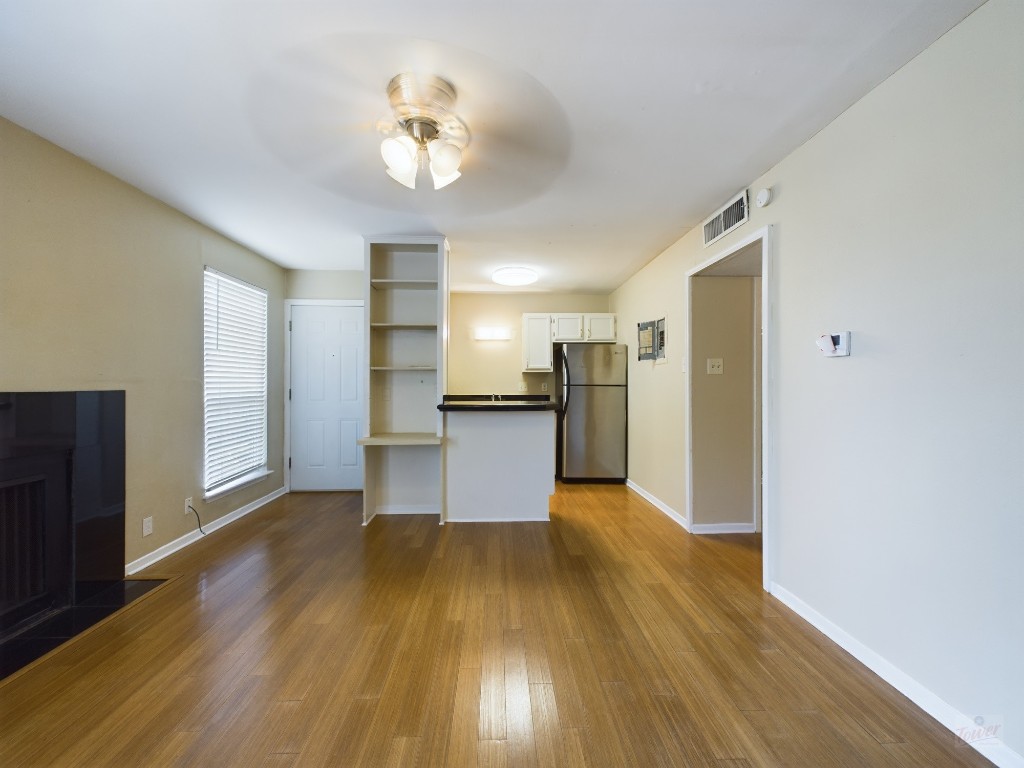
(607, 637)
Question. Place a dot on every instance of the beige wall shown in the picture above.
(101, 288)
(486, 367)
(722, 436)
(324, 284)
(657, 434)
(895, 512)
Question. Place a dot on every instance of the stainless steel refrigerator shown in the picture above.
(592, 438)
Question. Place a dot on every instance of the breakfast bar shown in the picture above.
(498, 457)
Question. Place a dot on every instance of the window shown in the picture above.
(234, 382)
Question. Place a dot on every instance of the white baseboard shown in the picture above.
(499, 520)
(993, 749)
(408, 509)
(189, 538)
(712, 528)
(662, 506)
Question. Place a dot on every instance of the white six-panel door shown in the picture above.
(326, 408)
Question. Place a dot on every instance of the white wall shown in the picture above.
(899, 498)
(324, 284)
(657, 434)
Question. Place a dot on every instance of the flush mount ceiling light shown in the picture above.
(514, 276)
(426, 135)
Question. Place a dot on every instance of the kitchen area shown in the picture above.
(513, 365)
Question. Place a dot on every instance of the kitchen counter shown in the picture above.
(497, 403)
(498, 457)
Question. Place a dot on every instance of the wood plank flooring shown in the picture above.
(607, 637)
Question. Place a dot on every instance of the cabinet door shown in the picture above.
(600, 327)
(536, 342)
(568, 327)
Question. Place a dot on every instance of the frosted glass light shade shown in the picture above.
(443, 181)
(399, 154)
(445, 157)
(407, 179)
(492, 333)
(514, 276)
(404, 157)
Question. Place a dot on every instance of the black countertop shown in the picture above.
(497, 403)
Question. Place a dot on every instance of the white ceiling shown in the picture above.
(601, 130)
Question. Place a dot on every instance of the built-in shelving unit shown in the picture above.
(406, 322)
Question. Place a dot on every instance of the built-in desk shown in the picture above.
(498, 457)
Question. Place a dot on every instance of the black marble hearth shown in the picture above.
(59, 626)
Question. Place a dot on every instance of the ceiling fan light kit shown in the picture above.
(431, 137)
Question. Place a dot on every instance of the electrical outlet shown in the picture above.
(522, 386)
(147, 526)
(544, 387)
(715, 366)
(188, 503)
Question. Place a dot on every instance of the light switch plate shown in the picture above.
(840, 340)
(716, 367)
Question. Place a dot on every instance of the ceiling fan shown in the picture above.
(325, 107)
(425, 135)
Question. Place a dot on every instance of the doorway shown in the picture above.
(729, 404)
(324, 404)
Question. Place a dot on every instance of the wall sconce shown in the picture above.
(492, 333)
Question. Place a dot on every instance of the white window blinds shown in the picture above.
(234, 379)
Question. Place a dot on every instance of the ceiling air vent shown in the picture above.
(725, 219)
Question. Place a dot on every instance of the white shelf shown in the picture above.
(403, 368)
(402, 438)
(393, 284)
(404, 326)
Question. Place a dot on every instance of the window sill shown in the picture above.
(238, 483)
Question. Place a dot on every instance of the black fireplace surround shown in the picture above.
(62, 471)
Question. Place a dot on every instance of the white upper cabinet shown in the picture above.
(583, 326)
(599, 327)
(567, 327)
(537, 342)
(540, 330)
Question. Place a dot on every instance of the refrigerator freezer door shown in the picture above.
(594, 440)
(596, 364)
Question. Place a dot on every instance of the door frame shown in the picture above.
(288, 305)
(767, 394)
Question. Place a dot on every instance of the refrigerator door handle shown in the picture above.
(566, 386)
